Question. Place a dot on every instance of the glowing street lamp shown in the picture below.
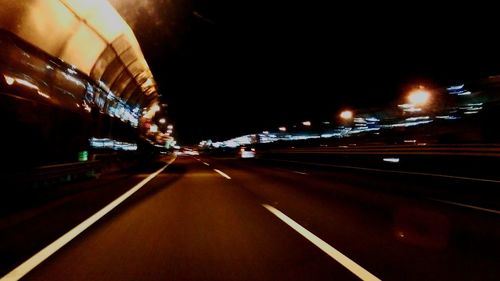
(9, 80)
(419, 97)
(162, 121)
(282, 129)
(151, 111)
(346, 115)
(306, 123)
(170, 127)
(155, 108)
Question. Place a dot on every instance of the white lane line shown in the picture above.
(206, 164)
(300, 173)
(46, 252)
(390, 171)
(362, 273)
(466, 206)
(220, 173)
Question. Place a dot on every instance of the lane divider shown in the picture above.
(49, 250)
(359, 271)
(220, 173)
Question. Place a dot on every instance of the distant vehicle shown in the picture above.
(246, 152)
(187, 151)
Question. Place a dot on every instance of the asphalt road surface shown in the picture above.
(227, 219)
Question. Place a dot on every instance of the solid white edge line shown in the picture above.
(362, 273)
(300, 173)
(466, 206)
(46, 252)
(206, 164)
(220, 173)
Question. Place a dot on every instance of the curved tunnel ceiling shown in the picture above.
(90, 35)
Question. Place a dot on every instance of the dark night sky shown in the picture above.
(227, 68)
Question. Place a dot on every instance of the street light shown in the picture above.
(306, 123)
(282, 129)
(155, 108)
(151, 111)
(162, 121)
(170, 127)
(346, 115)
(419, 97)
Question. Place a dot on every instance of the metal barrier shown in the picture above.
(478, 150)
(462, 160)
(54, 174)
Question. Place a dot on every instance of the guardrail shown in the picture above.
(53, 174)
(470, 160)
(101, 163)
(477, 150)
